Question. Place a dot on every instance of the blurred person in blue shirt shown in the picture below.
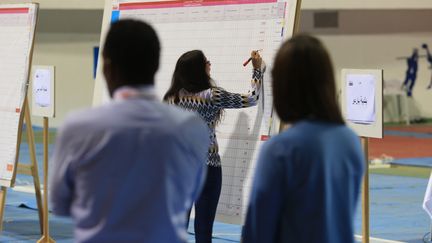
(308, 177)
(129, 170)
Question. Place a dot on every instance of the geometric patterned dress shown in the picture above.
(209, 104)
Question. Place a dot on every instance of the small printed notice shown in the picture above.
(42, 87)
(360, 98)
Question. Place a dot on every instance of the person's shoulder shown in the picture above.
(348, 131)
(91, 122)
(78, 125)
(290, 134)
(296, 135)
(339, 133)
(206, 93)
(216, 89)
(81, 118)
(350, 137)
(179, 117)
(185, 95)
(88, 116)
(279, 144)
(185, 128)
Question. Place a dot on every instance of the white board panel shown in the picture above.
(17, 26)
(226, 31)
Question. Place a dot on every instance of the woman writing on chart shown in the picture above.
(193, 89)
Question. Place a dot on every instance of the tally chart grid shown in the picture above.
(226, 33)
(16, 34)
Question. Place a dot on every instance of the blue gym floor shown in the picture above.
(395, 212)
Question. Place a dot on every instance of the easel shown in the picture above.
(25, 169)
(368, 129)
(296, 29)
(365, 192)
(43, 103)
(45, 237)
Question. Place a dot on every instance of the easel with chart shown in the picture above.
(226, 31)
(17, 29)
(43, 104)
(361, 102)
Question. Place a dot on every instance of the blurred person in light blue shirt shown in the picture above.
(308, 177)
(129, 170)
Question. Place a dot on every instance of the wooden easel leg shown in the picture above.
(35, 174)
(365, 193)
(3, 192)
(297, 17)
(45, 237)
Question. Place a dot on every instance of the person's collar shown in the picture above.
(129, 92)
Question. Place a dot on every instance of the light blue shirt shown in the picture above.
(306, 186)
(129, 170)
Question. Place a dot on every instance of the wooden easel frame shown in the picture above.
(45, 232)
(45, 112)
(25, 169)
(365, 192)
(374, 130)
(296, 29)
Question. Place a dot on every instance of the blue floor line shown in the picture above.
(407, 134)
(422, 162)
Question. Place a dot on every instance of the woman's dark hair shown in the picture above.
(189, 74)
(303, 82)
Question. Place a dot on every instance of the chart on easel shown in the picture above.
(16, 31)
(227, 32)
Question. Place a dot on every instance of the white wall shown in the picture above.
(374, 39)
(66, 39)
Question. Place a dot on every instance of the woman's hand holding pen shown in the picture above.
(256, 59)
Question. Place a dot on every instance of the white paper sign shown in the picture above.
(360, 98)
(42, 87)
